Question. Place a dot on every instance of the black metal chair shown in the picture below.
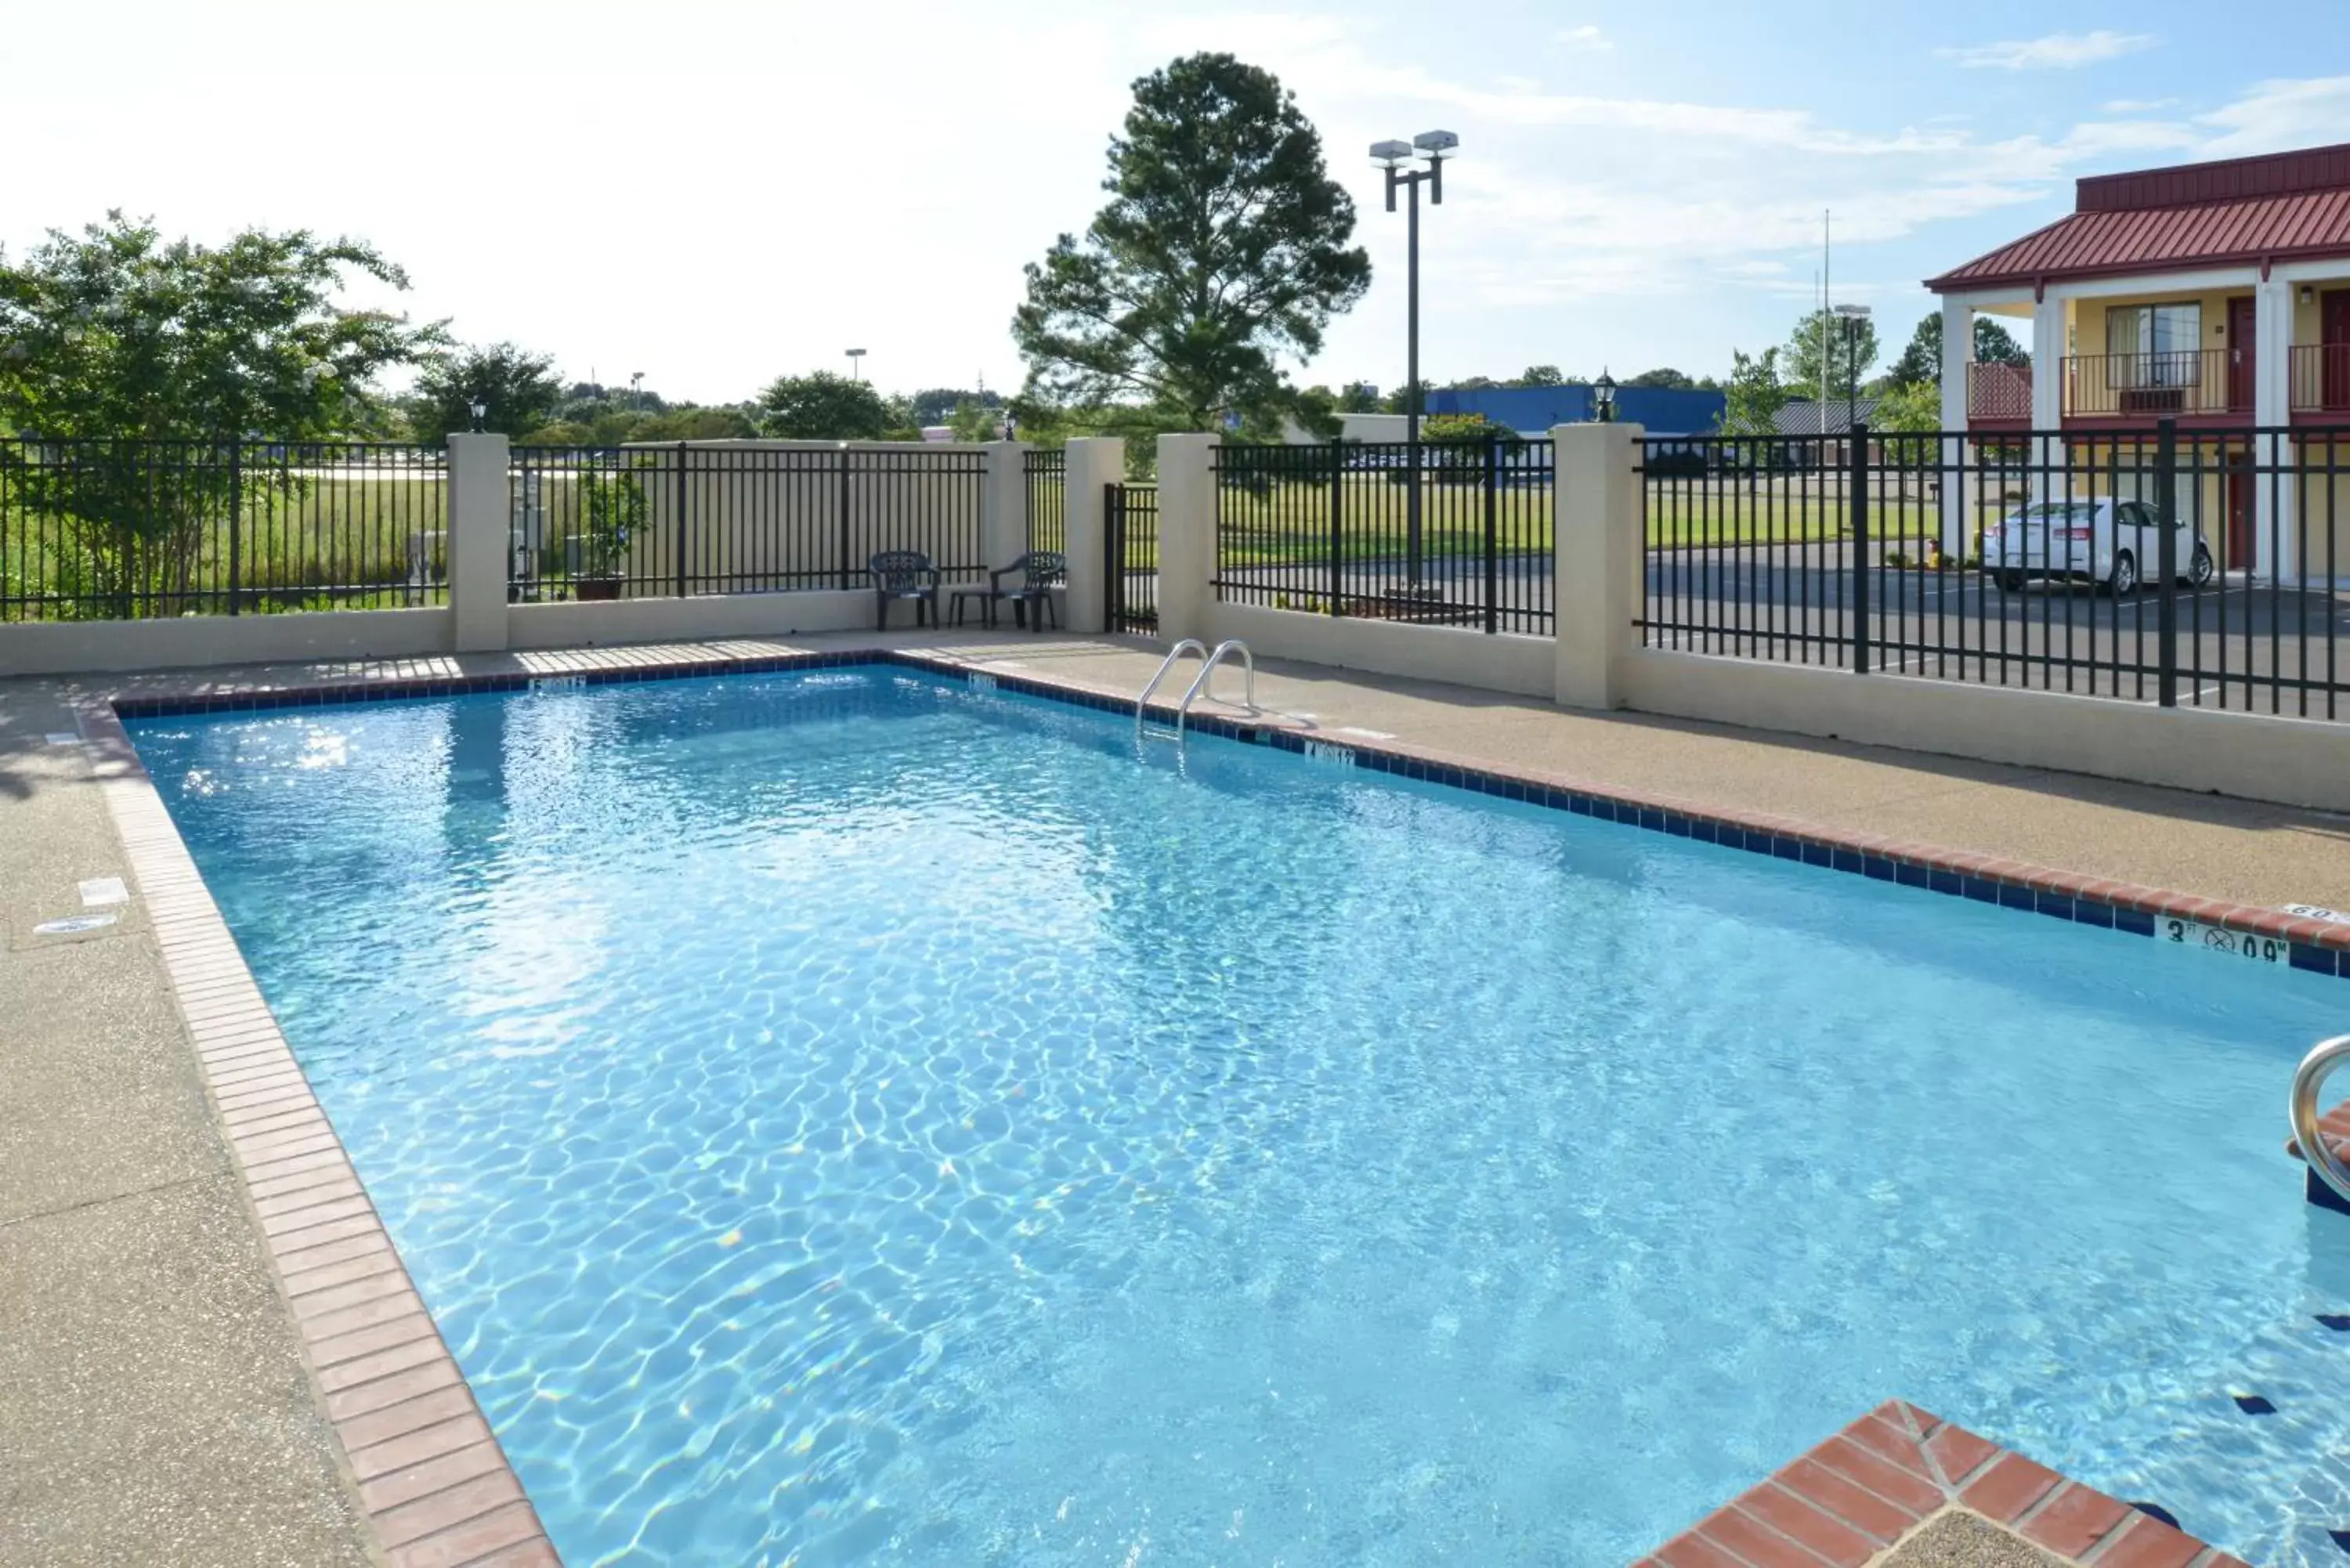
(1038, 572)
(905, 575)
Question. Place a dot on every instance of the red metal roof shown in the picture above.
(2242, 211)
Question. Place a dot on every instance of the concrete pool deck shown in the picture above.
(160, 1399)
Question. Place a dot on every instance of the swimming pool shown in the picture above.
(851, 1117)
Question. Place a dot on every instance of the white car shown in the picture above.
(2106, 543)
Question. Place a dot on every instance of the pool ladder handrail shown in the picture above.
(1208, 663)
(2307, 1079)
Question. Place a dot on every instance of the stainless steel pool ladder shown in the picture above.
(2307, 1079)
(1208, 663)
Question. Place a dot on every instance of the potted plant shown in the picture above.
(611, 514)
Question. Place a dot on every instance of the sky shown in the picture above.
(717, 193)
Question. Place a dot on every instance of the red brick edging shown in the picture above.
(1871, 1485)
(435, 1487)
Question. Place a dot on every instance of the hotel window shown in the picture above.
(2167, 336)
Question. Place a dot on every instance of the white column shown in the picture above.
(1003, 503)
(481, 521)
(1187, 533)
(1094, 463)
(1957, 365)
(2275, 551)
(2048, 352)
(1600, 537)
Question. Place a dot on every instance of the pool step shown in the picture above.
(1902, 1484)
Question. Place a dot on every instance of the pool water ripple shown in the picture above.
(850, 1119)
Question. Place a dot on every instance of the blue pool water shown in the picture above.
(847, 1118)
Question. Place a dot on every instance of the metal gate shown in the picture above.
(1130, 534)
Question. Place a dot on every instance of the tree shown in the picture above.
(1359, 397)
(1540, 375)
(1223, 249)
(823, 407)
(518, 390)
(1665, 376)
(118, 333)
(1755, 394)
(1848, 356)
(1922, 361)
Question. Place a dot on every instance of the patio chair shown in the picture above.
(904, 574)
(1036, 573)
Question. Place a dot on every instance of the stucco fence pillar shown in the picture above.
(1599, 536)
(1092, 464)
(481, 511)
(1187, 533)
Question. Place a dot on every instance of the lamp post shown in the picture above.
(1603, 398)
(855, 367)
(480, 408)
(1852, 315)
(1432, 147)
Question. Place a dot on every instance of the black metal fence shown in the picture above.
(122, 530)
(605, 523)
(2203, 568)
(1131, 539)
(1351, 528)
(1048, 476)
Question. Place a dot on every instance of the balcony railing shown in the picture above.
(2320, 378)
(1998, 392)
(2180, 381)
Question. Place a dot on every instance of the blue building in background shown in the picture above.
(1664, 411)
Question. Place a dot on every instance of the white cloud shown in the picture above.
(1587, 36)
(2058, 51)
(2276, 115)
(2135, 105)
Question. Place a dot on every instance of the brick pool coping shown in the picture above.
(434, 1484)
(1861, 1494)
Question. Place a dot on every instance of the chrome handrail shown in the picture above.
(1208, 668)
(2307, 1079)
(1142, 703)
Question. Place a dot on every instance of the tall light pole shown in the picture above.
(1853, 316)
(1432, 146)
(856, 369)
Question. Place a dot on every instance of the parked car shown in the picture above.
(2106, 543)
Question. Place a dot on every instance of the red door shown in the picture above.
(2333, 331)
(2242, 328)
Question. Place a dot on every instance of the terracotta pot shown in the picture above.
(595, 590)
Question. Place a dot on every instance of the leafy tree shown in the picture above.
(1922, 361)
(116, 334)
(119, 333)
(1911, 408)
(518, 391)
(1359, 397)
(1540, 375)
(1223, 248)
(1473, 384)
(823, 407)
(1847, 355)
(1664, 377)
(1755, 394)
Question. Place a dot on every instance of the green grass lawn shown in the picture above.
(1289, 524)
